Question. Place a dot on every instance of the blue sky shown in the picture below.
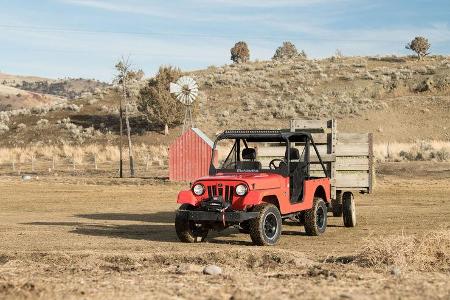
(84, 38)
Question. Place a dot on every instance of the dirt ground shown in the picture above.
(93, 238)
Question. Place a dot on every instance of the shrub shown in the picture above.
(21, 126)
(42, 123)
(156, 102)
(286, 51)
(441, 155)
(4, 117)
(240, 52)
(3, 128)
(420, 45)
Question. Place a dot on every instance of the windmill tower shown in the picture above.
(186, 91)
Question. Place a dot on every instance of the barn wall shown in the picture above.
(189, 157)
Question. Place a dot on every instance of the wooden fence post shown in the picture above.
(13, 165)
(388, 151)
(73, 161)
(32, 163)
(95, 162)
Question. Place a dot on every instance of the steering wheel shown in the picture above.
(272, 165)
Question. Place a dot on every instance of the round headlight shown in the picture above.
(198, 189)
(241, 190)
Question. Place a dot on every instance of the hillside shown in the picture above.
(71, 88)
(400, 99)
(13, 98)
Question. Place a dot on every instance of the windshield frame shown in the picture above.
(256, 136)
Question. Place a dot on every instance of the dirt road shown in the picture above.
(79, 237)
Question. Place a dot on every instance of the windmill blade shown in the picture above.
(185, 90)
(191, 98)
(194, 93)
(175, 88)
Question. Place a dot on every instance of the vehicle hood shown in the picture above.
(256, 181)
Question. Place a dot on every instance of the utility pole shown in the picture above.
(120, 139)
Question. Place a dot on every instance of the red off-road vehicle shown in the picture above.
(257, 193)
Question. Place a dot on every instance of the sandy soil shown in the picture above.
(89, 238)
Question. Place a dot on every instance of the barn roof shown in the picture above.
(203, 136)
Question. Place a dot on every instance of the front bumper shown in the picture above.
(214, 216)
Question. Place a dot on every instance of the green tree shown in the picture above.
(157, 104)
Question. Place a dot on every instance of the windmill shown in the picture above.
(186, 91)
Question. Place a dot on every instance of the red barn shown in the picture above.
(190, 156)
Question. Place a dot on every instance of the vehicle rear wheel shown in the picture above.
(265, 230)
(316, 218)
(189, 231)
(349, 209)
(336, 205)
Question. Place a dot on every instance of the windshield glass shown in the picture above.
(240, 155)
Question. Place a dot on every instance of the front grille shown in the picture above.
(226, 192)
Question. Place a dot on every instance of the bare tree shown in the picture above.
(127, 82)
(420, 45)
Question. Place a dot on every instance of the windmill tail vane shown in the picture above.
(185, 91)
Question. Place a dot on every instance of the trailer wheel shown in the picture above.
(265, 230)
(349, 209)
(336, 205)
(316, 218)
(189, 231)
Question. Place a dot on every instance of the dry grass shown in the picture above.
(427, 252)
(101, 153)
(420, 150)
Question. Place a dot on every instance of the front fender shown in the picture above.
(186, 197)
(252, 198)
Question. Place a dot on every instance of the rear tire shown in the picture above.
(316, 218)
(349, 209)
(265, 230)
(336, 205)
(188, 231)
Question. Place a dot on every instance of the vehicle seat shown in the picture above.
(249, 162)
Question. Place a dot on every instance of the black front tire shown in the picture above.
(265, 230)
(188, 231)
(349, 209)
(316, 218)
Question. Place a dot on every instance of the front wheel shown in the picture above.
(265, 230)
(188, 231)
(316, 218)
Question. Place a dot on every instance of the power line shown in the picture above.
(185, 34)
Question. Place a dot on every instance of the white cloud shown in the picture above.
(269, 3)
(133, 7)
